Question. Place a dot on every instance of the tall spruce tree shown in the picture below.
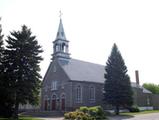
(1, 41)
(1, 46)
(5, 98)
(1, 74)
(118, 91)
(22, 55)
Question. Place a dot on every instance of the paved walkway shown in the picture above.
(150, 116)
(56, 118)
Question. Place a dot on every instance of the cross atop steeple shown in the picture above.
(60, 14)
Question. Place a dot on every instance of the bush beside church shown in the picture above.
(86, 113)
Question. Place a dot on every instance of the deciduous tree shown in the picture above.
(152, 87)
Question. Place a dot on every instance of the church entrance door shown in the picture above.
(54, 102)
(45, 106)
(63, 102)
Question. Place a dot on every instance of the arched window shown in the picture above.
(78, 94)
(63, 47)
(56, 48)
(54, 97)
(63, 102)
(63, 96)
(92, 93)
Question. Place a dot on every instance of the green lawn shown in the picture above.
(22, 118)
(142, 112)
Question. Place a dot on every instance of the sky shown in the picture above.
(92, 26)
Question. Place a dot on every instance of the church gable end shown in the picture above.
(54, 86)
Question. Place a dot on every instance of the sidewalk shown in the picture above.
(57, 118)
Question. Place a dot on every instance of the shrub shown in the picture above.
(84, 109)
(134, 109)
(97, 112)
(66, 116)
(76, 115)
(86, 113)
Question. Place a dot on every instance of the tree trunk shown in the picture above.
(15, 113)
(117, 110)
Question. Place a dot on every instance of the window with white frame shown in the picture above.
(92, 93)
(78, 94)
(54, 85)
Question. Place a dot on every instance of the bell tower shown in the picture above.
(61, 44)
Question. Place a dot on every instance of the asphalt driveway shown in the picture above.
(150, 116)
(56, 118)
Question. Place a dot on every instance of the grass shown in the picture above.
(141, 112)
(22, 118)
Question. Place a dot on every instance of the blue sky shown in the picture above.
(92, 26)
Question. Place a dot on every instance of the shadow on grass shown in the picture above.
(43, 114)
(119, 117)
(22, 118)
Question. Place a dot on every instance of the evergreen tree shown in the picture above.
(118, 91)
(5, 103)
(1, 42)
(22, 55)
(1, 72)
(1, 45)
(5, 98)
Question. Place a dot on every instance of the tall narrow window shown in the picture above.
(56, 48)
(79, 94)
(63, 47)
(53, 106)
(54, 85)
(92, 94)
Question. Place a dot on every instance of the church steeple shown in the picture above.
(60, 45)
(60, 32)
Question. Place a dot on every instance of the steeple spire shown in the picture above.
(61, 33)
(60, 45)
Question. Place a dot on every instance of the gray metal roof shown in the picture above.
(133, 84)
(78, 70)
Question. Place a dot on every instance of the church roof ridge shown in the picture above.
(88, 62)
